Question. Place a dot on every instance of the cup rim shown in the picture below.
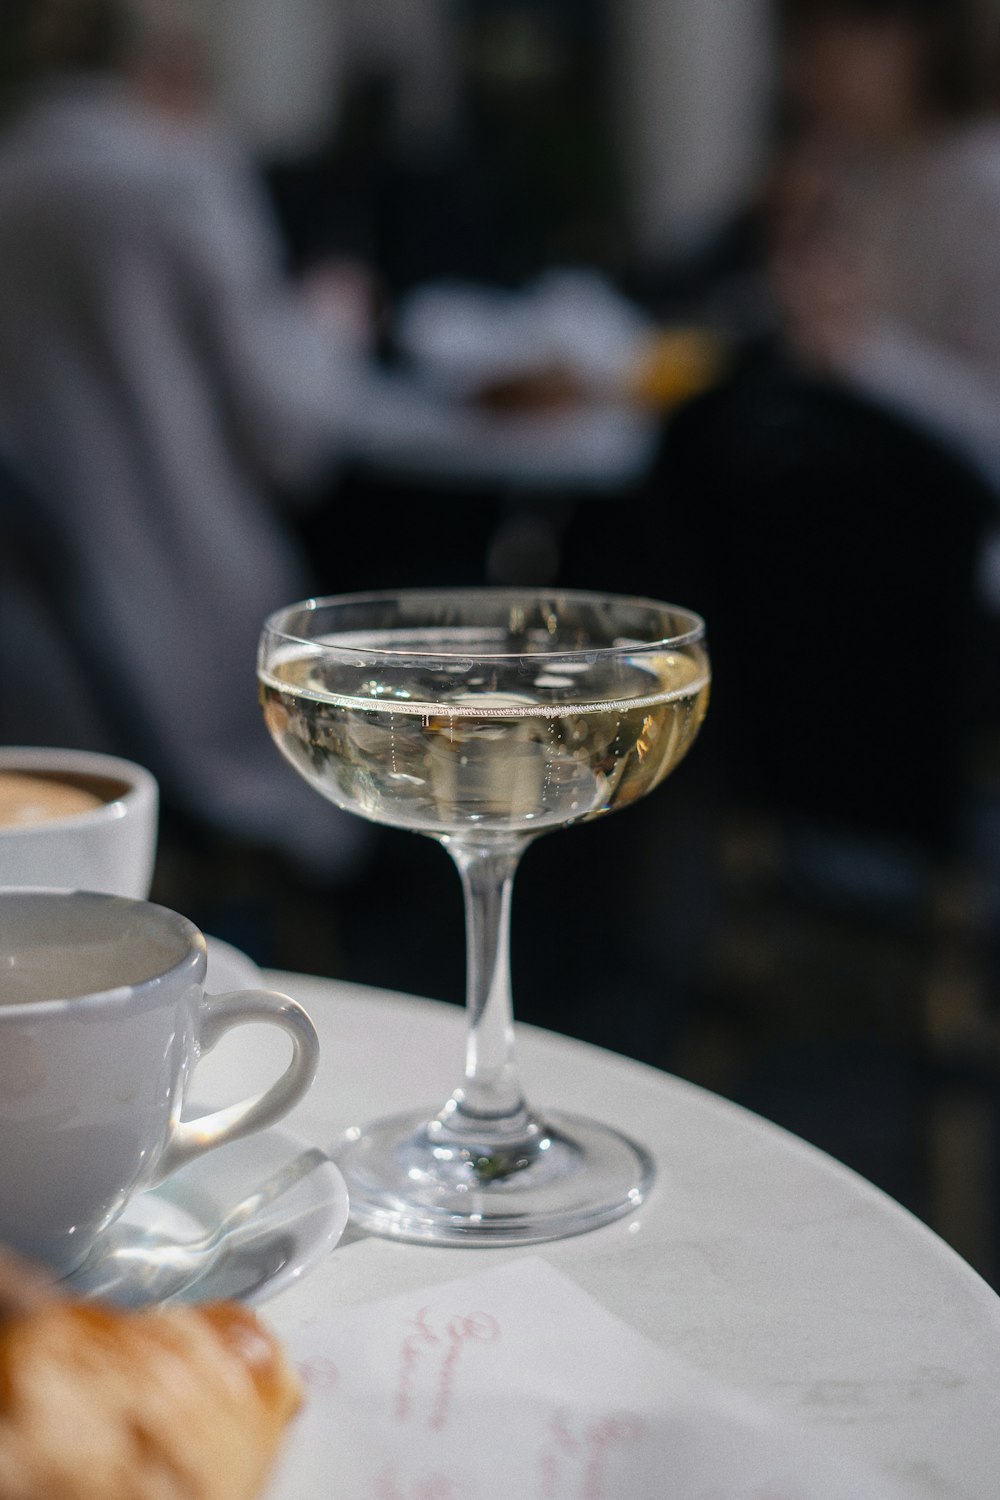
(28, 758)
(195, 958)
(277, 624)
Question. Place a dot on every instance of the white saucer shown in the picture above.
(258, 1213)
(230, 969)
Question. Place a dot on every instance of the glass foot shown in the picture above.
(410, 1178)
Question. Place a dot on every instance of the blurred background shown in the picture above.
(688, 298)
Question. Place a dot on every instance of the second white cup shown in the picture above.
(111, 847)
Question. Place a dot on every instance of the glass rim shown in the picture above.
(695, 635)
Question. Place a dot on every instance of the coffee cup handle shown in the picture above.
(220, 1013)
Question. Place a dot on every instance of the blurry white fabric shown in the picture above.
(462, 335)
(157, 377)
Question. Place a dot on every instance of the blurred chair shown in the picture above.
(835, 548)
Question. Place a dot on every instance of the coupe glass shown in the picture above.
(483, 718)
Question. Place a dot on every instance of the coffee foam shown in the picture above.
(26, 800)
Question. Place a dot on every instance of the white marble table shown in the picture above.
(757, 1259)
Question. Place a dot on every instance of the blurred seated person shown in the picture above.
(866, 257)
(886, 211)
(160, 383)
(830, 499)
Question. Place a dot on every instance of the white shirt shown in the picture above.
(157, 377)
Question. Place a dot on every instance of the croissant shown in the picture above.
(96, 1403)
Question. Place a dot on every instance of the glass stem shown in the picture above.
(489, 1100)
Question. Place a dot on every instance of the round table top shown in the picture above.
(756, 1259)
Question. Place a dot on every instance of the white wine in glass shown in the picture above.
(483, 718)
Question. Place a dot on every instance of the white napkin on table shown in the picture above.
(513, 1384)
(461, 335)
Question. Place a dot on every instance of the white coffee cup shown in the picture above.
(110, 847)
(103, 1017)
